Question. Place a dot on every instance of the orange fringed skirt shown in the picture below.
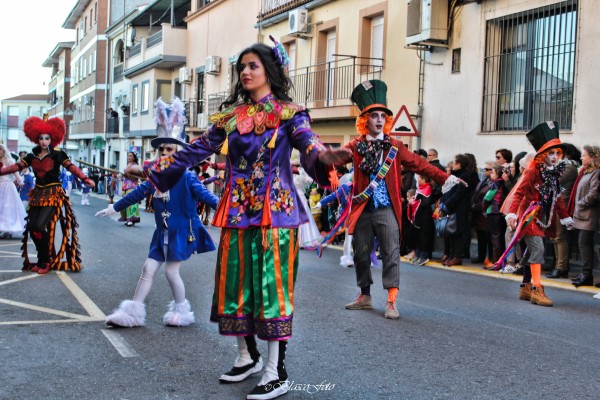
(67, 258)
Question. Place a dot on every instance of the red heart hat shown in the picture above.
(35, 126)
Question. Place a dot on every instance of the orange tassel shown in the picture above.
(273, 139)
(333, 179)
(225, 146)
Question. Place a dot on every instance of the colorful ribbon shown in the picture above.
(527, 218)
(365, 194)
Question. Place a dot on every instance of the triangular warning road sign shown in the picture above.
(403, 124)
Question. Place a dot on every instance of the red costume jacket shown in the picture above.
(393, 180)
(528, 191)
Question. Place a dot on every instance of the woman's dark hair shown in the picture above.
(135, 158)
(421, 152)
(571, 152)
(506, 154)
(472, 162)
(280, 82)
(463, 160)
(517, 163)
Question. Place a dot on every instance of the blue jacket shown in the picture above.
(28, 184)
(341, 195)
(179, 211)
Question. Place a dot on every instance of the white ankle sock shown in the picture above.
(270, 373)
(244, 356)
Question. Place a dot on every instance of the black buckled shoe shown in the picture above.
(584, 280)
(557, 273)
(270, 390)
(238, 374)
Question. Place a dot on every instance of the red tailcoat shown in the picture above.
(528, 191)
(393, 180)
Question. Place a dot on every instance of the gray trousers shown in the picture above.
(383, 224)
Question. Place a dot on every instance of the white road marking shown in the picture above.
(47, 310)
(22, 278)
(94, 313)
(119, 343)
(87, 303)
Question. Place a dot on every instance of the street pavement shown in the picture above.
(462, 332)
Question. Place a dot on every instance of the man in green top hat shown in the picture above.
(378, 160)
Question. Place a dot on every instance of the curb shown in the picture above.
(477, 269)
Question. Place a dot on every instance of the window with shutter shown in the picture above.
(331, 40)
(377, 40)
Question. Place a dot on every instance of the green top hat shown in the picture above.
(371, 95)
(544, 136)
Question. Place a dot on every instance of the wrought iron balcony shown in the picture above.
(112, 128)
(118, 73)
(164, 49)
(331, 84)
(270, 8)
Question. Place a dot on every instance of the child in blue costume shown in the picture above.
(179, 232)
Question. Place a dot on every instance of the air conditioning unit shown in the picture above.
(427, 23)
(298, 21)
(185, 75)
(212, 65)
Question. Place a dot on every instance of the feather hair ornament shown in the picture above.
(177, 113)
(160, 116)
(170, 122)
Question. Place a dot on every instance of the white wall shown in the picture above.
(453, 102)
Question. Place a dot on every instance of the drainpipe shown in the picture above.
(419, 124)
(106, 97)
(172, 13)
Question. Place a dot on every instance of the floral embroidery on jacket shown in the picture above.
(281, 200)
(314, 143)
(244, 194)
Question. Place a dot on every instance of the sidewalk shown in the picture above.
(477, 269)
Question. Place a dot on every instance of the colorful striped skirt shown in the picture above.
(254, 282)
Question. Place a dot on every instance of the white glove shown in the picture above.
(510, 221)
(450, 182)
(568, 222)
(317, 206)
(110, 210)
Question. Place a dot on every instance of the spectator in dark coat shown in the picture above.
(456, 201)
(484, 245)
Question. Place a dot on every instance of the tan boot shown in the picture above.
(391, 311)
(362, 302)
(539, 297)
(525, 292)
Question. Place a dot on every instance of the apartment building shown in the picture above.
(14, 111)
(218, 31)
(59, 90)
(336, 44)
(156, 47)
(121, 36)
(503, 67)
(88, 19)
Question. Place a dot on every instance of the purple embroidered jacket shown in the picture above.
(260, 190)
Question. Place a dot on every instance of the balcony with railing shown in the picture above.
(112, 128)
(271, 8)
(326, 88)
(118, 73)
(215, 100)
(163, 49)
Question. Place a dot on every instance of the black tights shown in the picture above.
(39, 218)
